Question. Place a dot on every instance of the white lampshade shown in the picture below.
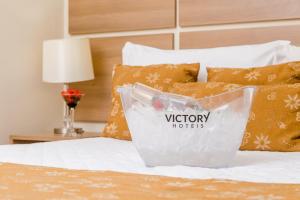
(67, 60)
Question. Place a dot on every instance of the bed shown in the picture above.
(103, 168)
(118, 155)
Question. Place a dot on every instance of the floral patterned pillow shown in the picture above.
(273, 74)
(157, 76)
(274, 121)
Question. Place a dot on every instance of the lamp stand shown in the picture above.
(68, 129)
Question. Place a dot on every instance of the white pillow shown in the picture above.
(294, 54)
(234, 56)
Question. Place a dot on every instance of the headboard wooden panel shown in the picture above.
(106, 52)
(217, 38)
(204, 12)
(97, 16)
(114, 16)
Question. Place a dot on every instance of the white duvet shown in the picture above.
(117, 155)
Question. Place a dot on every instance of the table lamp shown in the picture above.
(67, 61)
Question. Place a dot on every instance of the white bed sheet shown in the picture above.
(117, 155)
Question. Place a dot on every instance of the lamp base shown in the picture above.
(68, 131)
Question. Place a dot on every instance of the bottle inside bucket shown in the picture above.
(162, 101)
(170, 129)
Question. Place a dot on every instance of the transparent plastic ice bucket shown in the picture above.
(169, 129)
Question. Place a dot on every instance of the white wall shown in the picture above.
(27, 105)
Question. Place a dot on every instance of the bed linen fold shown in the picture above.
(32, 182)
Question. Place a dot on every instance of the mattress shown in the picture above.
(121, 156)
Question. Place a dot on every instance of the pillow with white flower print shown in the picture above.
(272, 74)
(156, 76)
(274, 120)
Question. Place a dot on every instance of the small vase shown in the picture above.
(72, 98)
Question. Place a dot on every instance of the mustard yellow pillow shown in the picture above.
(157, 76)
(273, 74)
(274, 121)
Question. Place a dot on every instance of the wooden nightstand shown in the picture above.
(27, 139)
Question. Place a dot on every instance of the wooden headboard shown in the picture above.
(200, 24)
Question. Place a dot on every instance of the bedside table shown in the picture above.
(28, 139)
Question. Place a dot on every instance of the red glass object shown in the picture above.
(72, 97)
